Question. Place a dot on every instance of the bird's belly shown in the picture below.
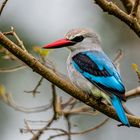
(82, 83)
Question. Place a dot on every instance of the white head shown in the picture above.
(77, 39)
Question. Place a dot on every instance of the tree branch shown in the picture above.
(62, 83)
(2, 6)
(133, 93)
(82, 132)
(35, 90)
(114, 10)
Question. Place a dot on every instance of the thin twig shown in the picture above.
(20, 43)
(34, 91)
(28, 127)
(37, 121)
(82, 132)
(118, 57)
(67, 117)
(133, 93)
(8, 99)
(86, 110)
(12, 69)
(65, 132)
(8, 33)
(127, 5)
(68, 102)
(2, 6)
(54, 103)
(13, 33)
(74, 112)
(91, 129)
(135, 8)
(47, 129)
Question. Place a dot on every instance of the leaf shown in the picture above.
(2, 90)
(40, 51)
(135, 67)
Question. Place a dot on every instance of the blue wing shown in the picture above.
(99, 70)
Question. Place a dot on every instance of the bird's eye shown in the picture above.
(78, 39)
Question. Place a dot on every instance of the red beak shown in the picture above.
(59, 43)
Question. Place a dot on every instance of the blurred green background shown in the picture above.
(39, 22)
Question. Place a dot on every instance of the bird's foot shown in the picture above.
(100, 99)
(119, 125)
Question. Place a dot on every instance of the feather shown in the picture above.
(96, 67)
(99, 70)
(116, 102)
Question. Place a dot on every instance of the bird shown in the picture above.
(91, 70)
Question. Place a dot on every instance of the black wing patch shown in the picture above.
(109, 91)
(88, 65)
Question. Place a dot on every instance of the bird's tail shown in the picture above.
(116, 102)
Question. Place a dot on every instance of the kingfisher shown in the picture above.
(91, 70)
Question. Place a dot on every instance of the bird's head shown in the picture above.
(75, 39)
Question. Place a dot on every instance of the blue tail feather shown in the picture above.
(116, 102)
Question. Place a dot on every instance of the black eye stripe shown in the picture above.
(77, 38)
